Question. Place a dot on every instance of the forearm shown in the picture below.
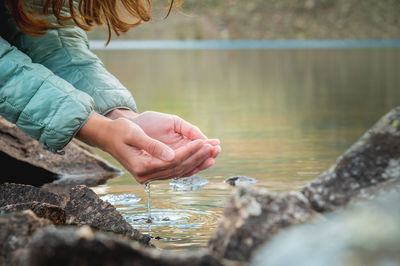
(92, 131)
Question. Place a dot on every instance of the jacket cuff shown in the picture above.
(108, 100)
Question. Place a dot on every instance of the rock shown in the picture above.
(15, 171)
(239, 180)
(252, 216)
(86, 208)
(67, 246)
(21, 154)
(193, 182)
(365, 234)
(80, 207)
(17, 193)
(61, 190)
(373, 192)
(16, 228)
(43, 210)
(373, 159)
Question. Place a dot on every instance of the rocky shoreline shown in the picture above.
(64, 224)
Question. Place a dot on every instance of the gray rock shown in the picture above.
(188, 183)
(16, 229)
(17, 193)
(81, 206)
(20, 154)
(86, 208)
(68, 246)
(252, 216)
(239, 180)
(365, 234)
(373, 192)
(43, 210)
(373, 159)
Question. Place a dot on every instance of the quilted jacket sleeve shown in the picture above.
(43, 105)
(65, 51)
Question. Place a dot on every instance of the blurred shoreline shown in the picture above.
(269, 19)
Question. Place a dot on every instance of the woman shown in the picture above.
(54, 88)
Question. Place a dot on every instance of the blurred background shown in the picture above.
(270, 19)
(283, 115)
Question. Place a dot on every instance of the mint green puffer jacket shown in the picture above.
(49, 85)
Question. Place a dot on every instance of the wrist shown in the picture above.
(121, 113)
(94, 130)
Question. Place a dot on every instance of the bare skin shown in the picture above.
(151, 145)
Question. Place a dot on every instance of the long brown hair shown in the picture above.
(87, 14)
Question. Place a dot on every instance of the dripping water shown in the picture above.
(147, 190)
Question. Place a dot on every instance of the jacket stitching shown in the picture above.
(27, 115)
(48, 128)
(33, 95)
(94, 90)
(58, 110)
(60, 37)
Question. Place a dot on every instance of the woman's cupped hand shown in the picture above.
(151, 145)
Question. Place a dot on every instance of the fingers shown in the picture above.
(187, 129)
(188, 159)
(213, 142)
(188, 163)
(183, 153)
(156, 166)
(195, 171)
(149, 159)
(193, 162)
(216, 151)
(203, 166)
(154, 147)
(206, 164)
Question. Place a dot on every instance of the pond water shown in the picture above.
(283, 117)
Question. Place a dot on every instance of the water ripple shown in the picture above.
(121, 199)
(188, 219)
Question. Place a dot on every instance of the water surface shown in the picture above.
(242, 44)
(283, 116)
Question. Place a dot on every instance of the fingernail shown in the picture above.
(197, 141)
(216, 141)
(200, 144)
(209, 147)
(167, 155)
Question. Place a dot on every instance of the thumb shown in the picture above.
(155, 147)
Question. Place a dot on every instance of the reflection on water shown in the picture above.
(180, 220)
(282, 117)
(241, 44)
(187, 219)
(121, 199)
